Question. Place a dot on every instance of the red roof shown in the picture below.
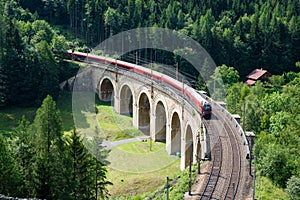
(256, 74)
(250, 82)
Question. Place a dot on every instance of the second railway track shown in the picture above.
(223, 181)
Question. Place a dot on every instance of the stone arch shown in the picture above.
(106, 90)
(160, 130)
(144, 113)
(126, 100)
(188, 146)
(175, 133)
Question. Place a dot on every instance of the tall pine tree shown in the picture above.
(9, 174)
(50, 160)
(81, 162)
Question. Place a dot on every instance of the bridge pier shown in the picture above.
(168, 139)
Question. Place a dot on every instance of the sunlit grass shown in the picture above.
(142, 147)
(266, 190)
(147, 170)
(114, 126)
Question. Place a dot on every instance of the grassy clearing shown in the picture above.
(266, 190)
(143, 179)
(143, 147)
(134, 169)
(114, 126)
(64, 104)
(10, 117)
(136, 157)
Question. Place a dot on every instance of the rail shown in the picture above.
(237, 126)
(231, 127)
(213, 182)
(231, 181)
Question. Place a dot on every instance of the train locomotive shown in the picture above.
(203, 107)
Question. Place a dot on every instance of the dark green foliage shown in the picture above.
(80, 165)
(273, 114)
(12, 64)
(24, 154)
(29, 69)
(88, 168)
(49, 153)
(10, 177)
(39, 162)
(98, 169)
(241, 33)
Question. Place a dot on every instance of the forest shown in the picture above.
(240, 35)
(243, 34)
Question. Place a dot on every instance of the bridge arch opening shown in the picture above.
(188, 146)
(144, 114)
(175, 134)
(160, 122)
(106, 91)
(126, 101)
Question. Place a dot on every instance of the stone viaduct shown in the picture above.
(161, 112)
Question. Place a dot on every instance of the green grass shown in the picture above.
(266, 190)
(136, 170)
(143, 147)
(114, 126)
(10, 118)
(136, 157)
(64, 104)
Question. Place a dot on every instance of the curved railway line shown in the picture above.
(226, 174)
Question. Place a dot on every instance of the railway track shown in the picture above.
(223, 181)
(215, 170)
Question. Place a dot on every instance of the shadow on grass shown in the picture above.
(11, 116)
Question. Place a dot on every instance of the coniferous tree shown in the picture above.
(50, 161)
(12, 64)
(48, 71)
(81, 163)
(9, 174)
(98, 169)
(24, 155)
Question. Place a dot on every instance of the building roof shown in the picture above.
(256, 74)
(250, 82)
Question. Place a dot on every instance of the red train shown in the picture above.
(202, 105)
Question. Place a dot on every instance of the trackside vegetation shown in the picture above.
(272, 113)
